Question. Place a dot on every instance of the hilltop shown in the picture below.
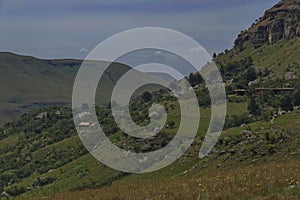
(280, 22)
(273, 44)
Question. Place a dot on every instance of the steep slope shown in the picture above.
(280, 22)
(272, 42)
(45, 156)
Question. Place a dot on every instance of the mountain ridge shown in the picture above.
(27, 81)
(282, 21)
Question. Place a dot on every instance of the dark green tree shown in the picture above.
(286, 104)
(171, 124)
(296, 98)
(253, 107)
(214, 55)
(251, 74)
(146, 96)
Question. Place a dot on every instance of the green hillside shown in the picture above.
(41, 156)
(259, 161)
(256, 157)
(272, 42)
(45, 157)
(28, 82)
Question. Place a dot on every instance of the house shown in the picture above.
(86, 124)
(258, 91)
(241, 92)
(42, 115)
(275, 90)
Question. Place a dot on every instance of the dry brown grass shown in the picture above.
(267, 181)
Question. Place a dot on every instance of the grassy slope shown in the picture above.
(219, 176)
(25, 80)
(277, 56)
(84, 170)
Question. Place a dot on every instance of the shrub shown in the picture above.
(15, 190)
(171, 124)
(271, 148)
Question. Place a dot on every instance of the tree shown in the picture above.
(195, 79)
(253, 107)
(296, 98)
(251, 74)
(171, 124)
(214, 55)
(286, 104)
(146, 96)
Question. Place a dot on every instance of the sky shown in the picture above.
(72, 28)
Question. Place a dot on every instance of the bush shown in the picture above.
(286, 104)
(39, 182)
(16, 190)
(171, 124)
(271, 148)
(237, 120)
(253, 107)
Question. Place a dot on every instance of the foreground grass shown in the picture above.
(276, 180)
(275, 176)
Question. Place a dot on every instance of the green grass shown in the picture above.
(277, 56)
(86, 171)
(26, 80)
(274, 176)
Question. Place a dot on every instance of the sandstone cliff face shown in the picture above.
(281, 21)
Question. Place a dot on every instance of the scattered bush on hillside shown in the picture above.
(253, 107)
(286, 103)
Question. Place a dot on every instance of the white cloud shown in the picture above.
(83, 50)
(196, 49)
(158, 53)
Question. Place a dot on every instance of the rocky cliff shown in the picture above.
(281, 21)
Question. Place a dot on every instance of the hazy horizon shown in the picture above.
(70, 29)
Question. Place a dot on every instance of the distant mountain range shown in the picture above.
(27, 82)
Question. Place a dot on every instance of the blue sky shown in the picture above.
(71, 28)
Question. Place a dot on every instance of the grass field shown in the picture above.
(276, 57)
(221, 175)
(274, 180)
(273, 176)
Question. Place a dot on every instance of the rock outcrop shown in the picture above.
(281, 21)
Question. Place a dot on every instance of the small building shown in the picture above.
(241, 92)
(42, 115)
(274, 90)
(259, 91)
(86, 125)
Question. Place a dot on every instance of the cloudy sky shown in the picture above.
(71, 28)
